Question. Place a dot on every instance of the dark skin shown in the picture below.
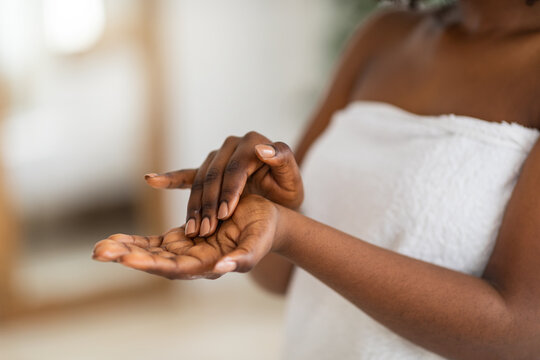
(478, 58)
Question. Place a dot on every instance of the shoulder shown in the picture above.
(388, 26)
(525, 55)
(394, 18)
(534, 75)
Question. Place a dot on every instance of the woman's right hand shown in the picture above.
(251, 164)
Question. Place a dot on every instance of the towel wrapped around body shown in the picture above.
(430, 187)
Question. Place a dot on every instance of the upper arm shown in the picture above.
(514, 266)
(378, 32)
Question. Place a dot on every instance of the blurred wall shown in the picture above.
(239, 65)
(72, 136)
(76, 133)
(76, 139)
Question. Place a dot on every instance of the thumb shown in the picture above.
(180, 179)
(279, 157)
(243, 259)
(240, 260)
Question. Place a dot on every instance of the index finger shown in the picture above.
(237, 172)
(179, 179)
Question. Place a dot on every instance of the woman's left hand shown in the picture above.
(239, 244)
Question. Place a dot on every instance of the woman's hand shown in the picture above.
(239, 244)
(243, 165)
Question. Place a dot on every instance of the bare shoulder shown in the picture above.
(395, 18)
(381, 31)
(524, 54)
(389, 26)
(534, 76)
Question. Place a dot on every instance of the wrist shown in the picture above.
(284, 226)
(295, 204)
(292, 203)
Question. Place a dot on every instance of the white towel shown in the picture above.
(430, 187)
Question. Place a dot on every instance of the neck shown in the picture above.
(479, 16)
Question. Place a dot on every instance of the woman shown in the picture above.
(443, 211)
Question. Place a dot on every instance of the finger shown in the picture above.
(123, 238)
(242, 164)
(180, 179)
(212, 276)
(141, 241)
(162, 266)
(176, 242)
(173, 236)
(136, 249)
(206, 253)
(193, 218)
(188, 265)
(253, 246)
(259, 181)
(167, 254)
(109, 250)
(154, 240)
(155, 250)
(285, 181)
(140, 260)
(113, 247)
(179, 229)
(212, 186)
(280, 158)
(179, 247)
(240, 260)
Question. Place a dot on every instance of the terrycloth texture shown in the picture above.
(433, 188)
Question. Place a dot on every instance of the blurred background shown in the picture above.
(96, 93)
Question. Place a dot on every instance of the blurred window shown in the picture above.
(72, 26)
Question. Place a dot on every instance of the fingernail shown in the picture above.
(205, 227)
(225, 266)
(190, 226)
(223, 210)
(150, 175)
(265, 151)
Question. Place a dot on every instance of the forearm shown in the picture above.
(450, 313)
(273, 273)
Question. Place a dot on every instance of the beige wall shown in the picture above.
(8, 229)
(239, 65)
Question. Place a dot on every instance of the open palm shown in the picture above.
(238, 244)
